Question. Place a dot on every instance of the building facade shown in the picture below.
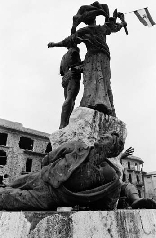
(133, 172)
(150, 185)
(21, 150)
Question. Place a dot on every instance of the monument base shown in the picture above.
(86, 224)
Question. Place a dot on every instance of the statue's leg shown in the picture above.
(38, 197)
(67, 108)
(134, 200)
(20, 182)
(17, 199)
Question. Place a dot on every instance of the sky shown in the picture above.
(31, 91)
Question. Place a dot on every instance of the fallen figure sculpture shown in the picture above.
(72, 175)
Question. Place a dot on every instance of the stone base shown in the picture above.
(88, 125)
(86, 224)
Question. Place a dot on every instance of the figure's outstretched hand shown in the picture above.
(51, 44)
(129, 151)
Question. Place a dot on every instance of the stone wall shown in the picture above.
(97, 224)
(16, 156)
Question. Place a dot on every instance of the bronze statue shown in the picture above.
(70, 70)
(73, 174)
(96, 68)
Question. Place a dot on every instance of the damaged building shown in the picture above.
(133, 172)
(21, 150)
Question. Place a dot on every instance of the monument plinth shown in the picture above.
(88, 125)
(97, 224)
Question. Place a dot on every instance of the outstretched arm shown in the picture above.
(67, 42)
(71, 40)
(127, 152)
(53, 44)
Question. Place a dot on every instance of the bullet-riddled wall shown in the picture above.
(21, 150)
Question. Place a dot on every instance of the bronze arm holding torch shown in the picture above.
(122, 18)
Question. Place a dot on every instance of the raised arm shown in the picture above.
(116, 26)
(127, 152)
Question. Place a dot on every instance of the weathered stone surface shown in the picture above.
(14, 225)
(16, 157)
(55, 226)
(88, 224)
(87, 125)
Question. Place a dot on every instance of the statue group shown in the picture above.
(96, 66)
(74, 174)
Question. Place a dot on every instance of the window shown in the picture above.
(124, 177)
(129, 165)
(136, 166)
(138, 180)
(26, 143)
(3, 157)
(6, 176)
(28, 165)
(139, 193)
(130, 178)
(49, 148)
(3, 138)
(1, 179)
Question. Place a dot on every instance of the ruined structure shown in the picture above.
(150, 185)
(133, 172)
(21, 150)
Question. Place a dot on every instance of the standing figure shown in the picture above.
(96, 69)
(71, 75)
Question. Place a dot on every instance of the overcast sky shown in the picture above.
(30, 90)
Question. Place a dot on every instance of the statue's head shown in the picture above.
(111, 144)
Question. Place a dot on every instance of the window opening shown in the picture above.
(130, 178)
(49, 148)
(26, 143)
(138, 180)
(1, 179)
(124, 177)
(28, 165)
(139, 193)
(3, 138)
(3, 157)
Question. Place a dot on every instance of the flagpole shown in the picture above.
(135, 10)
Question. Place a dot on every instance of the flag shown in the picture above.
(144, 17)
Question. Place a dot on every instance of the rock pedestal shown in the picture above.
(97, 224)
(88, 125)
